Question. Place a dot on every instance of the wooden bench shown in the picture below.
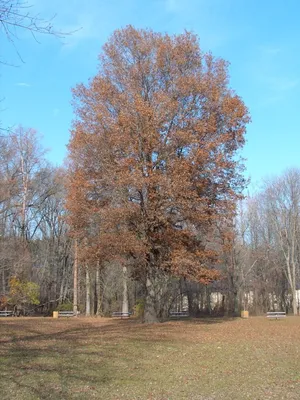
(276, 314)
(179, 314)
(66, 314)
(6, 313)
(120, 314)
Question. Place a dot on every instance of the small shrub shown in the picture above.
(23, 293)
(139, 308)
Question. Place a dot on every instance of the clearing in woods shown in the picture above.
(205, 359)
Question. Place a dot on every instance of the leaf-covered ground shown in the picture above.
(42, 358)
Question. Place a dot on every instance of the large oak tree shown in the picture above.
(154, 160)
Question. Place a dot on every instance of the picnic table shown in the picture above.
(179, 314)
(6, 313)
(276, 314)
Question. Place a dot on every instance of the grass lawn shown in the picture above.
(42, 358)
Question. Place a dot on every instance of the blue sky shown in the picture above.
(260, 38)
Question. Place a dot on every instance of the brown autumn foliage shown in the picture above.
(153, 155)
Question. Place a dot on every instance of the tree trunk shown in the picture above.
(208, 300)
(75, 282)
(125, 292)
(295, 308)
(88, 292)
(189, 295)
(202, 300)
(61, 289)
(150, 313)
(235, 303)
(98, 308)
(24, 200)
(3, 282)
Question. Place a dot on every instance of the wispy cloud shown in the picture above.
(77, 21)
(205, 17)
(23, 84)
(269, 50)
(55, 112)
(282, 83)
(269, 71)
(173, 5)
(269, 101)
(84, 29)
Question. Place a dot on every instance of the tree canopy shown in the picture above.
(154, 165)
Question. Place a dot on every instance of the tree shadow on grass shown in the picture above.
(41, 368)
(43, 359)
(28, 330)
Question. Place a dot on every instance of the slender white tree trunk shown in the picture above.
(98, 291)
(88, 292)
(125, 292)
(24, 198)
(295, 310)
(75, 277)
(3, 282)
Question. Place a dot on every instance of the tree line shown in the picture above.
(149, 212)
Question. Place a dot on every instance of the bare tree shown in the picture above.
(282, 205)
(18, 15)
(33, 232)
